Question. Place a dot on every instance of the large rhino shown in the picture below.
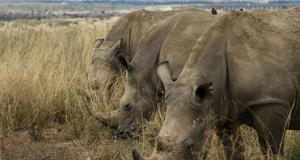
(170, 39)
(244, 70)
(124, 36)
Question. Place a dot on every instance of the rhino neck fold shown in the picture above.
(128, 48)
(147, 59)
(209, 59)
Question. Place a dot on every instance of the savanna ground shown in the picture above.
(42, 116)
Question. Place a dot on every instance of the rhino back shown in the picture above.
(133, 26)
(182, 36)
(172, 40)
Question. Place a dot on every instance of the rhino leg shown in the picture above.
(270, 123)
(230, 136)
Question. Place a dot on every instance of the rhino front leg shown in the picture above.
(230, 136)
(270, 123)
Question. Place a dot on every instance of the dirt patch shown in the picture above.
(54, 144)
(57, 144)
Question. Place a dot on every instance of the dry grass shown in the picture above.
(41, 114)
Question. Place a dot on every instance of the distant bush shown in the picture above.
(15, 25)
(101, 18)
(38, 18)
(34, 23)
(75, 22)
(64, 23)
(2, 24)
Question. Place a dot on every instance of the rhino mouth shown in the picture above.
(129, 130)
(132, 133)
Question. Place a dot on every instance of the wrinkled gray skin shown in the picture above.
(171, 39)
(130, 28)
(244, 70)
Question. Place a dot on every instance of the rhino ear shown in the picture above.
(164, 74)
(203, 91)
(122, 60)
(98, 43)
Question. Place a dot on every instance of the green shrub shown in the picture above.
(2, 24)
(63, 23)
(34, 23)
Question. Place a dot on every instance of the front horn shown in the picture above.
(136, 155)
(164, 74)
(108, 119)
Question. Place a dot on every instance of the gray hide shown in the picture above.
(243, 70)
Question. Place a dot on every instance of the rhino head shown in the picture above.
(105, 66)
(189, 101)
(138, 101)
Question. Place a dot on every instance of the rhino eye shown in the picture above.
(127, 106)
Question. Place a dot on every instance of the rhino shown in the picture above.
(244, 70)
(124, 36)
(171, 39)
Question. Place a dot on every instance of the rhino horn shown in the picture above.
(136, 155)
(107, 118)
(164, 73)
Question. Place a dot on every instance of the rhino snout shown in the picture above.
(187, 144)
(159, 144)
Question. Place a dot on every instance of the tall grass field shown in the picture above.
(42, 116)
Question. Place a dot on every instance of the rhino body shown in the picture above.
(124, 36)
(171, 39)
(244, 70)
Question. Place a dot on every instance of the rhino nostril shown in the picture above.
(125, 134)
(159, 144)
(188, 144)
